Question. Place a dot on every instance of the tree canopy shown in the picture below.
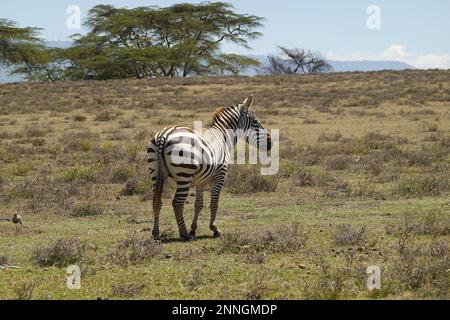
(147, 42)
(180, 40)
(292, 61)
(176, 41)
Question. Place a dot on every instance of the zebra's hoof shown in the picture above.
(187, 238)
(192, 234)
(217, 234)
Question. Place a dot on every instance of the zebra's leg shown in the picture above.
(198, 206)
(178, 207)
(157, 204)
(215, 193)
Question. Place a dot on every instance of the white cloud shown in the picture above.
(398, 52)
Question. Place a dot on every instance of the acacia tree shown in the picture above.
(180, 40)
(232, 64)
(23, 52)
(294, 61)
(15, 41)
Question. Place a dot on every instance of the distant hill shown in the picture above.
(349, 66)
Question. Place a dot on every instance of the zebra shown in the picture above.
(209, 151)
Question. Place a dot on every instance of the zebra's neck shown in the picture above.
(225, 124)
(226, 119)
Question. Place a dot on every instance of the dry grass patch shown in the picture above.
(60, 253)
(283, 239)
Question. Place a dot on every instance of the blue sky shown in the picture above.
(415, 31)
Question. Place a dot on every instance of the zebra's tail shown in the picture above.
(159, 182)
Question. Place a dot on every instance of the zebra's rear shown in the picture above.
(158, 173)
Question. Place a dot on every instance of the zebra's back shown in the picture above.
(186, 155)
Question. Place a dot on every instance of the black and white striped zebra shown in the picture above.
(198, 158)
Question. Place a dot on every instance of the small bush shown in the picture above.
(38, 142)
(84, 145)
(4, 260)
(34, 132)
(311, 121)
(423, 185)
(87, 209)
(135, 249)
(433, 223)
(79, 118)
(248, 179)
(346, 235)
(127, 290)
(136, 186)
(366, 191)
(420, 158)
(24, 291)
(21, 169)
(429, 127)
(60, 253)
(121, 173)
(80, 173)
(255, 258)
(302, 178)
(338, 162)
(336, 188)
(279, 240)
(329, 137)
(195, 280)
(105, 116)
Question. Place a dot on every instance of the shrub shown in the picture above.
(195, 280)
(79, 118)
(79, 145)
(34, 132)
(121, 173)
(336, 188)
(87, 209)
(279, 240)
(135, 249)
(346, 235)
(311, 121)
(302, 178)
(4, 260)
(80, 173)
(38, 142)
(60, 253)
(136, 186)
(433, 223)
(127, 290)
(366, 191)
(338, 162)
(329, 137)
(418, 157)
(426, 184)
(429, 127)
(105, 115)
(248, 179)
(21, 169)
(371, 164)
(25, 290)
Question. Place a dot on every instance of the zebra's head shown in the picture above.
(255, 134)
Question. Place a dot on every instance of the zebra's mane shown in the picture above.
(227, 117)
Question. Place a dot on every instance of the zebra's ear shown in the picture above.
(247, 103)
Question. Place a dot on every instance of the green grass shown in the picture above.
(373, 155)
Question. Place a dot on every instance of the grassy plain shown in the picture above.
(363, 180)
